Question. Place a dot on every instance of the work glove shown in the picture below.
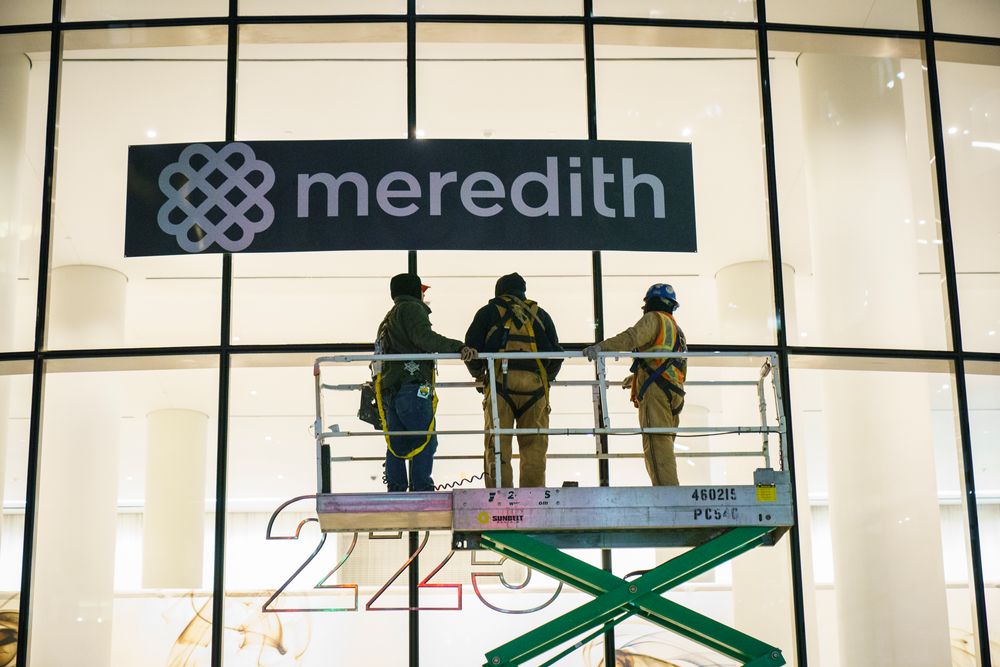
(468, 353)
(627, 382)
(591, 351)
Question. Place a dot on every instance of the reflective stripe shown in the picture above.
(668, 340)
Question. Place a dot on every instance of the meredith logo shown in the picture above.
(484, 194)
(397, 194)
(209, 193)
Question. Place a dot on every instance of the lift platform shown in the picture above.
(532, 525)
(572, 518)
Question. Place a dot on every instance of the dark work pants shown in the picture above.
(406, 411)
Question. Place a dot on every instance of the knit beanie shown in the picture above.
(405, 284)
(512, 283)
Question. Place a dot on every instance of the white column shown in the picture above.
(79, 315)
(173, 523)
(762, 578)
(14, 68)
(74, 569)
(745, 296)
(884, 516)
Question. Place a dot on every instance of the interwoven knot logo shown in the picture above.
(216, 197)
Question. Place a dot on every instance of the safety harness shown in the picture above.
(667, 374)
(383, 345)
(518, 319)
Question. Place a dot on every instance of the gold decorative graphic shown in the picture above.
(260, 633)
(8, 638)
(9, 619)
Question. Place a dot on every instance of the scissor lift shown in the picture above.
(532, 526)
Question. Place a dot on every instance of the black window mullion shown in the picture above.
(413, 538)
(603, 465)
(38, 363)
(951, 285)
(225, 359)
(781, 321)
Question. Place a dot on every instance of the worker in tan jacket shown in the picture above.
(657, 384)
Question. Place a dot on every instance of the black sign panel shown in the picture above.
(293, 196)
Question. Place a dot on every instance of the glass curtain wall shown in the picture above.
(154, 412)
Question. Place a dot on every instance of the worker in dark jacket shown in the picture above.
(405, 389)
(511, 322)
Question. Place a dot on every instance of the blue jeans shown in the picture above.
(406, 411)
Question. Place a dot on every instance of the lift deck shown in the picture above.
(532, 526)
(571, 518)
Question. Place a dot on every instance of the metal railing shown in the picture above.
(602, 417)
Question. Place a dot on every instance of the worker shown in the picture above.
(510, 322)
(405, 389)
(657, 385)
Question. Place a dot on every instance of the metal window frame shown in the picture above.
(225, 350)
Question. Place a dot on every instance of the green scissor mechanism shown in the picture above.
(616, 599)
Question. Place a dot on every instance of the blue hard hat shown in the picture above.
(662, 291)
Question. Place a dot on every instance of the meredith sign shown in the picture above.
(295, 196)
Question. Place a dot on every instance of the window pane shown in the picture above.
(984, 421)
(93, 10)
(697, 87)
(518, 7)
(751, 593)
(463, 281)
(505, 82)
(322, 82)
(725, 10)
(125, 541)
(272, 458)
(902, 14)
(24, 77)
(15, 411)
(302, 7)
(15, 12)
(122, 88)
(501, 81)
(969, 17)
(271, 461)
(317, 82)
(856, 196)
(970, 112)
(877, 460)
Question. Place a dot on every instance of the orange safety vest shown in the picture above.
(667, 373)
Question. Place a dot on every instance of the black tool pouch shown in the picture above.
(368, 410)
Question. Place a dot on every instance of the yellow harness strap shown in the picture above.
(381, 414)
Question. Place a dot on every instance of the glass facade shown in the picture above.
(155, 411)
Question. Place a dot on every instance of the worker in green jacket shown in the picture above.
(405, 389)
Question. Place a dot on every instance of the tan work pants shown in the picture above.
(662, 410)
(532, 448)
